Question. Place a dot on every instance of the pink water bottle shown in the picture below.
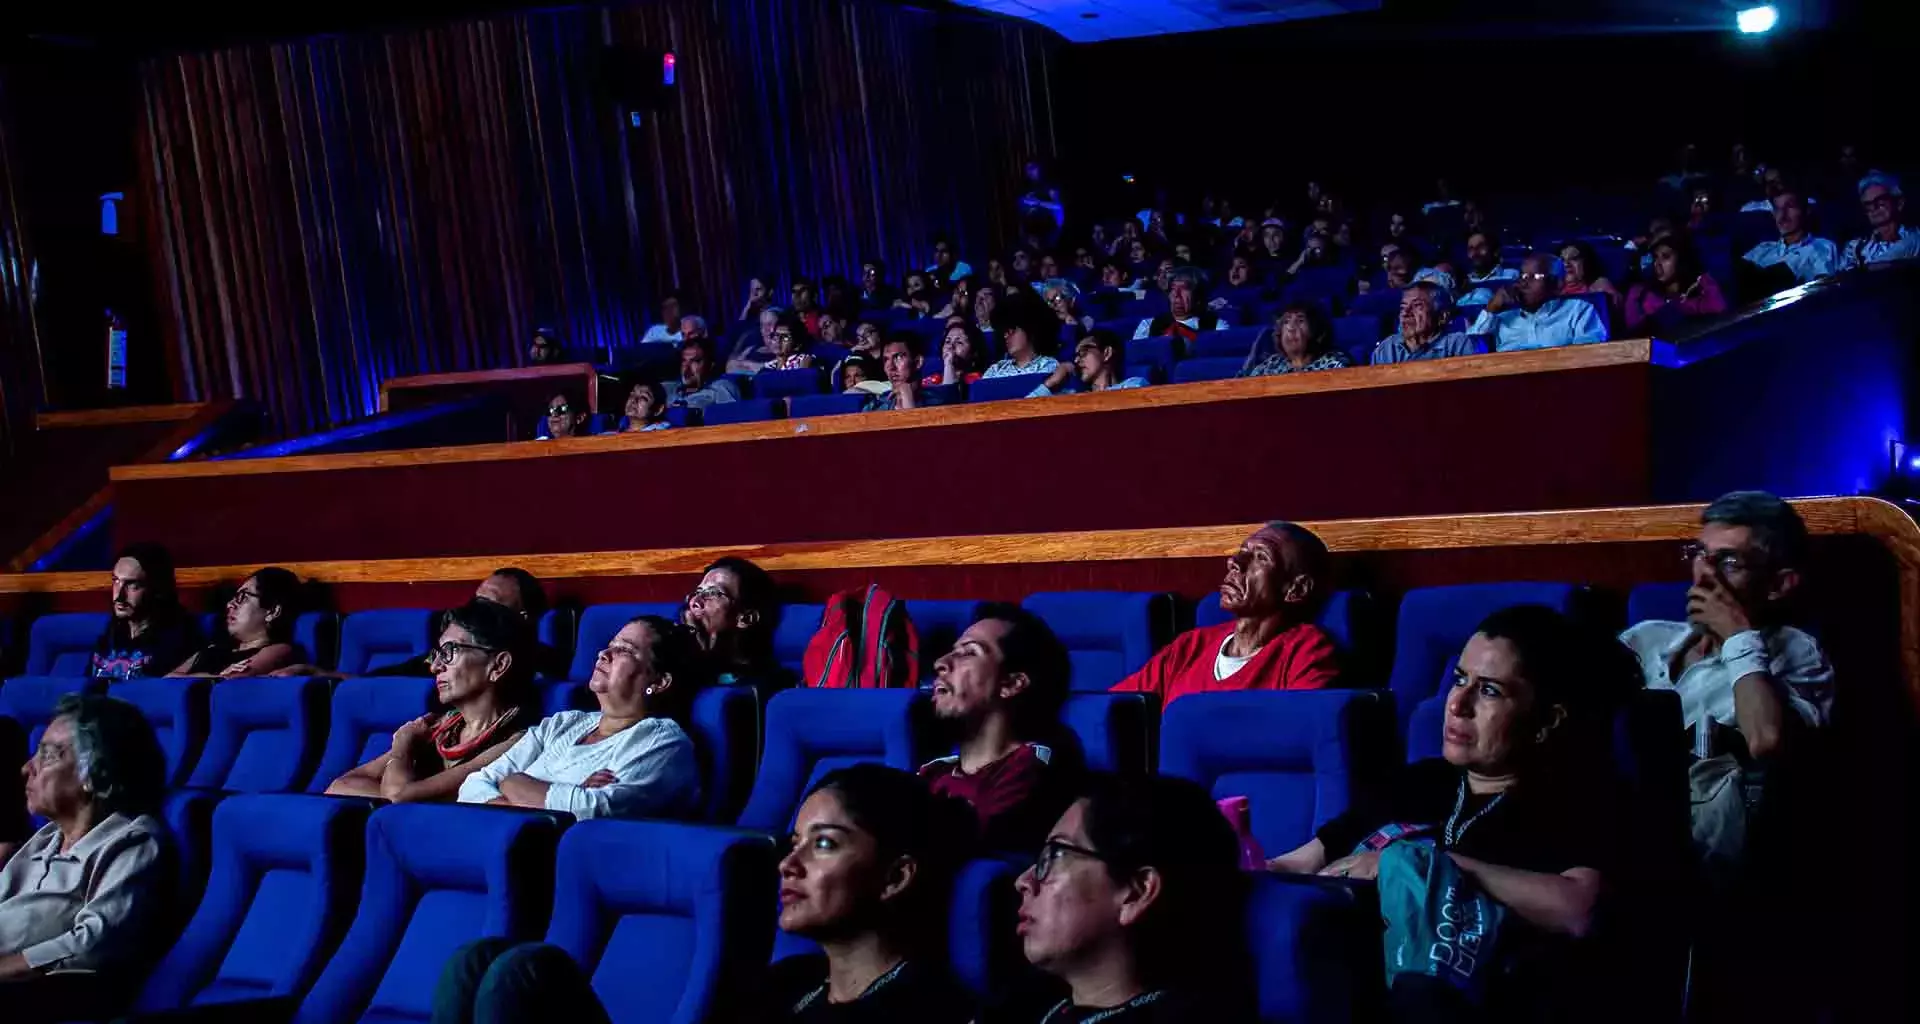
(1240, 815)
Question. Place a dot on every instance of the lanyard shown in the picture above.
(878, 983)
(1135, 1003)
(1457, 829)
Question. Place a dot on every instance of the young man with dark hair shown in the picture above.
(900, 358)
(148, 634)
(1000, 691)
(1274, 585)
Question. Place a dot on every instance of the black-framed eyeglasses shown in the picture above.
(243, 595)
(1726, 563)
(559, 410)
(446, 652)
(1052, 850)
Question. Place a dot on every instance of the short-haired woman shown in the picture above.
(88, 891)
(631, 758)
(1133, 909)
(1302, 340)
(482, 675)
(259, 633)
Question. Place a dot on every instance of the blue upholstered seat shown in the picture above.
(812, 732)
(598, 624)
(1157, 355)
(62, 645)
(746, 410)
(787, 383)
(362, 717)
(724, 723)
(997, 389)
(1315, 948)
(1435, 623)
(1340, 616)
(1666, 601)
(669, 921)
(1217, 368)
(178, 711)
(815, 406)
(377, 639)
(263, 735)
(983, 942)
(30, 700)
(1294, 755)
(939, 624)
(438, 876)
(284, 880)
(1108, 634)
(1225, 343)
(1115, 730)
(798, 623)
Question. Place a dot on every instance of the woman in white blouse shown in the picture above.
(631, 758)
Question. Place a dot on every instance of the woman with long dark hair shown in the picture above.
(259, 633)
(1681, 286)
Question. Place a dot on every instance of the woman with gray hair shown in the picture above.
(84, 893)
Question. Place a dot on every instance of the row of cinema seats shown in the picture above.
(310, 900)
(1110, 634)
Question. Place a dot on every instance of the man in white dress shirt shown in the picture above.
(1808, 257)
(1530, 316)
(1888, 239)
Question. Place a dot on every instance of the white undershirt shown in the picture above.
(1225, 665)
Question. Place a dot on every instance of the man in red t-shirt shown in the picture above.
(1274, 585)
(1000, 690)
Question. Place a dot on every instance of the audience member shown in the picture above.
(1063, 297)
(759, 297)
(1806, 256)
(700, 385)
(1541, 319)
(567, 416)
(1243, 289)
(1134, 911)
(667, 331)
(1274, 586)
(875, 292)
(732, 612)
(1186, 314)
(806, 309)
(1747, 680)
(1583, 273)
(510, 587)
(959, 301)
(84, 902)
(631, 758)
(1681, 286)
(919, 295)
(859, 374)
(149, 632)
(901, 360)
(962, 353)
(1100, 360)
(1302, 341)
(259, 634)
(999, 692)
(646, 407)
(788, 350)
(986, 298)
(867, 878)
(483, 679)
(1513, 802)
(1024, 325)
(693, 328)
(1424, 333)
(833, 327)
(544, 350)
(1484, 271)
(1887, 238)
(866, 339)
(752, 349)
(947, 267)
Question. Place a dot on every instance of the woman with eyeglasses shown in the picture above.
(1132, 911)
(566, 416)
(732, 612)
(259, 630)
(1301, 341)
(788, 345)
(483, 679)
(866, 879)
(629, 759)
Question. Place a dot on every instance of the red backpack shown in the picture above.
(865, 641)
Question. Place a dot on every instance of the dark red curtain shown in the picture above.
(20, 360)
(330, 213)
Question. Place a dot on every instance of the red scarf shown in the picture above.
(446, 736)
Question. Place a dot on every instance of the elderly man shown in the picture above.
(1484, 272)
(1541, 319)
(1274, 586)
(1423, 330)
(693, 328)
(1803, 254)
(700, 383)
(667, 331)
(1185, 316)
(1887, 238)
(88, 892)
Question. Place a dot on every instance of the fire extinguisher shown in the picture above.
(116, 350)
